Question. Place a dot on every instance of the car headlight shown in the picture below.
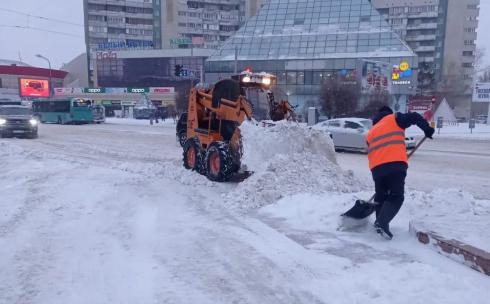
(2, 121)
(246, 79)
(33, 122)
(266, 81)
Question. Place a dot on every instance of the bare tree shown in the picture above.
(339, 98)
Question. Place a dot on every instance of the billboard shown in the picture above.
(375, 78)
(424, 105)
(33, 87)
(481, 92)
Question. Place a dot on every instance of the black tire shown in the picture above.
(182, 137)
(193, 155)
(219, 162)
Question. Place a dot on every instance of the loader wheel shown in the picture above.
(192, 155)
(219, 162)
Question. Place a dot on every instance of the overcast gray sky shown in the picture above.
(15, 42)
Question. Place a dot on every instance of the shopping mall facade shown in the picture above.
(307, 42)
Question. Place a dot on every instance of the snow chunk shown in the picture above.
(287, 159)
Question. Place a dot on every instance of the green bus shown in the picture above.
(63, 111)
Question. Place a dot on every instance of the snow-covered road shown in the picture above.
(106, 214)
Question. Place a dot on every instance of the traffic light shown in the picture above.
(178, 70)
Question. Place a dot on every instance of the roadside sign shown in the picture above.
(472, 124)
(440, 124)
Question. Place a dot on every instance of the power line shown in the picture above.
(39, 29)
(40, 17)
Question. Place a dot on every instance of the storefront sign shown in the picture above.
(180, 41)
(120, 45)
(138, 90)
(481, 93)
(93, 90)
(106, 55)
(67, 91)
(162, 90)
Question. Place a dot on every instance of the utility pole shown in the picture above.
(49, 64)
(236, 60)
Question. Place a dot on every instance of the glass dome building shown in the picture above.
(305, 41)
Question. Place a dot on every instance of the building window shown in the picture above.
(472, 6)
(469, 42)
(470, 30)
(468, 53)
(467, 65)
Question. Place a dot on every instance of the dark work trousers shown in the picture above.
(390, 191)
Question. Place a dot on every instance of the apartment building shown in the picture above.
(441, 32)
(120, 24)
(200, 23)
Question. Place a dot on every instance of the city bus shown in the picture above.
(63, 111)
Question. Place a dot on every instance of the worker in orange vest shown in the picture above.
(388, 162)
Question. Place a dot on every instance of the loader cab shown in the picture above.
(256, 87)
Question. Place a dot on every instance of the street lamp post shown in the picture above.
(49, 64)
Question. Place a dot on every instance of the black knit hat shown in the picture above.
(385, 109)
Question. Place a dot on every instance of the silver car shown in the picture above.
(349, 134)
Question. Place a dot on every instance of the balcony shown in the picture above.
(425, 48)
(139, 15)
(422, 15)
(422, 26)
(139, 26)
(97, 35)
(420, 38)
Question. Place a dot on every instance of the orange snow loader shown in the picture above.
(212, 145)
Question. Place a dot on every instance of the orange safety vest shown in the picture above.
(386, 142)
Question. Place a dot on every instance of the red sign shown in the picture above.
(33, 87)
(162, 90)
(424, 105)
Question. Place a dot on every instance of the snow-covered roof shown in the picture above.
(13, 62)
(314, 29)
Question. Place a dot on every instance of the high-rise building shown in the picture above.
(200, 23)
(441, 32)
(120, 24)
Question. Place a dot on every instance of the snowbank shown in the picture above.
(480, 132)
(287, 159)
(453, 214)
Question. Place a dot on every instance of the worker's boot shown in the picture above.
(387, 213)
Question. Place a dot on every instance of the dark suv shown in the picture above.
(17, 121)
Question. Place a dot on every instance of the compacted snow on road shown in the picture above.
(107, 214)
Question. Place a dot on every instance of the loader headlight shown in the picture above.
(246, 79)
(2, 121)
(266, 81)
(33, 122)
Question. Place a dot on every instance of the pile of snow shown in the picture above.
(287, 159)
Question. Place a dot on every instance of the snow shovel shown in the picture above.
(362, 209)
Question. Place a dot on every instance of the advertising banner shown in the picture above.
(481, 92)
(424, 105)
(33, 87)
(375, 78)
(162, 90)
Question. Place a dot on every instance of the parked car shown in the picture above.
(349, 134)
(181, 129)
(481, 119)
(17, 121)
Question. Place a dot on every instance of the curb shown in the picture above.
(465, 254)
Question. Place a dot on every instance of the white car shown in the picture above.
(350, 133)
